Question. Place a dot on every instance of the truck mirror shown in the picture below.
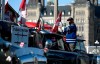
(48, 43)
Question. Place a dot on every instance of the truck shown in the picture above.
(13, 49)
(61, 54)
(56, 53)
(40, 50)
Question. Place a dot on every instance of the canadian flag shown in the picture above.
(58, 20)
(23, 5)
(6, 1)
(22, 9)
(38, 25)
(6, 5)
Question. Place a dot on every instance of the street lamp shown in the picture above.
(96, 43)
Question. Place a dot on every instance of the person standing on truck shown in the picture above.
(71, 31)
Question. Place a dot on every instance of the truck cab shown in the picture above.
(55, 52)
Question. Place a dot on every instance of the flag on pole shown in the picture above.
(38, 25)
(6, 1)
(6, 7)
(56, 24)
(23, 5)
(22, 9)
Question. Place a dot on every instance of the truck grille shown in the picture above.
(34, 63)
(41, 62)
(29, 63)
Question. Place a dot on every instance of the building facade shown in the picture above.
(85, 13)
(83, 16)
(33, 10)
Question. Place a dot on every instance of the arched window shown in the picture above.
(69, 13)
(79, 28)
(45, 12)
(63, 12)
(82, 28)
(51, 12)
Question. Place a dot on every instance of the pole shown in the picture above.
(55, 9)
(96, 43)
(96, 50)
(2, 9)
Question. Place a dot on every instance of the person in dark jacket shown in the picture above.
(71, 33)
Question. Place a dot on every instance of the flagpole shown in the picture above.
(22, 10)
(55, 9)
(40, 17)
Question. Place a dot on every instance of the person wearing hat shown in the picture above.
(71, 33)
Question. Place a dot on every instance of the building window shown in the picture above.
(69, 13)
(77, 21)
(63, 13)
(80, 12)
(45, 13)
(32, 14)
(82, 20)
(29, 20)
(79, 28)
(82, 28)
(51, 12)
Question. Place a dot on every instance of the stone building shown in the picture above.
(33, 10)
(85, 13)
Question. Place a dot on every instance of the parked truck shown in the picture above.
(15, 48)
(40, 50)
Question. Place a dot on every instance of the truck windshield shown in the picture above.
(55, 45)
(52, 41)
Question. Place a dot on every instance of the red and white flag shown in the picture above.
(6, 1)
(6, 5)
(23, 5)
(38, 25)
(22, 9)
(55, 27)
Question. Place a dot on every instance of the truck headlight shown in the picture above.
(9, 59)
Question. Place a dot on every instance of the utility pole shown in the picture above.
(2, 7)
(55, 9)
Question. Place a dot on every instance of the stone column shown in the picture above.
(55, 9)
